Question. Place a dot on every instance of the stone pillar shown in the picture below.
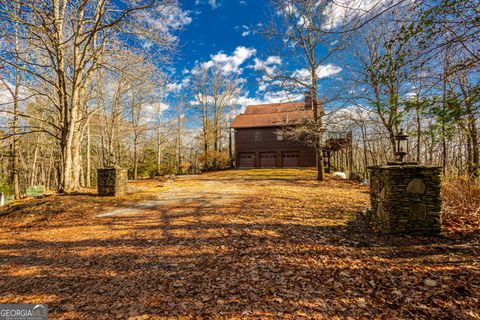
(112, 181)
(406, 199)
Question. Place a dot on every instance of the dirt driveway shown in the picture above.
(189, 195)
(234, 244)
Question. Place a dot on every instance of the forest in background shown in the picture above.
(79, 91)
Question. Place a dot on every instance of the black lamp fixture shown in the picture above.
(401, 145)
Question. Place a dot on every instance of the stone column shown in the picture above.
(406, 199)
(112, 181)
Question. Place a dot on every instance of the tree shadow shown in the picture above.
(233, 260)
(236, 275)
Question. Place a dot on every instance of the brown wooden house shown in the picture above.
(260, 140)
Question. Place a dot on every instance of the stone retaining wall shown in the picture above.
(406, 199)
(112, 181)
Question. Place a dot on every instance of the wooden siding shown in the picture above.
(259, 140)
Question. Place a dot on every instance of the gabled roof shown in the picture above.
(272, 115)
(275, 107)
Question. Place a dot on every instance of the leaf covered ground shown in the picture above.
(233, 244)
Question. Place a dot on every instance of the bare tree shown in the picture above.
(304, 26)
(382, 70)
(13, 81)
(69, 54)
(215, 91)
(141, 95)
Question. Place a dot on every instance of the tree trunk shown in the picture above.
(159, 151)
(365, 149)
(179, 145)
(135, 158)
(34, 163)
(472, 136)
(317, 117)
(204, 129)
(15, 144)
(76, 160)
(230, 144)
(66, 144)
(444, 148)
(419, 132)
(89, 163)
(15, 150)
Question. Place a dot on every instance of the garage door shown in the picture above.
(268, 159)
(290, 159)
(246, 160)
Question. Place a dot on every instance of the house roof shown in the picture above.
(272, 115)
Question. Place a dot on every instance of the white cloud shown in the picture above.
(203, 98)
(213, 3)
(289, 8)
(269, 97)
(174, 87)
(273, 89)
(337, 12)
(344, 11)
(328, 70)
(270, 68)
(265, 64)
(333, 43)
(228, 63)
(155, 107)
(241, 102)
(281, 96)
(323, 71)
(246, 30)
(154, 111)
(164, 18)
(5, 95)
(267, 85)
(345, 118)
(246, 101)
(6, 98)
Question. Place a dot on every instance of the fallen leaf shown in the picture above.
(430, 282)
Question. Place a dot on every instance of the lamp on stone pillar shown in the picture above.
(401, 145)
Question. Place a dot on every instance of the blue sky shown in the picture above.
(219, 25)
(225, 31)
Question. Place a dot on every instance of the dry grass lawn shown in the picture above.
(233, 244)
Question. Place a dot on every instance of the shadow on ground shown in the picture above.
(247, 255)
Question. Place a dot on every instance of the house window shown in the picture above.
(279, 135)
(258, 135)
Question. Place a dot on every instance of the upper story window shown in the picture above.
(258, 135)
(279, 135)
